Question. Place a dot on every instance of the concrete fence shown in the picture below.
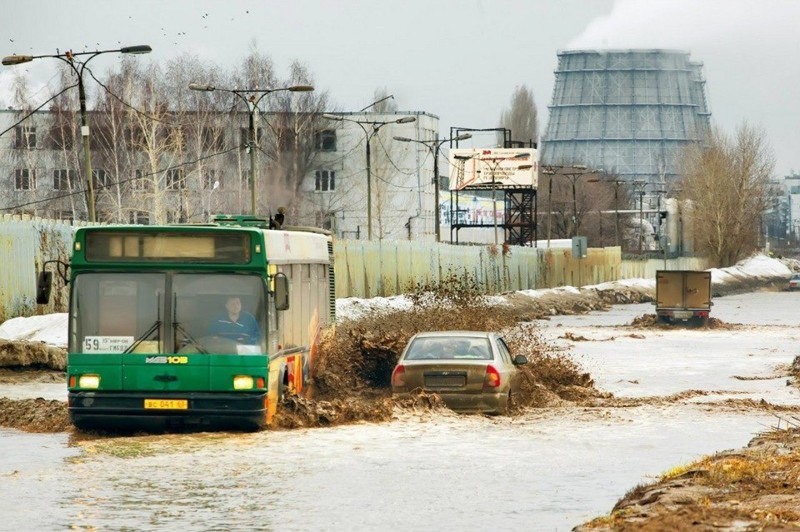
(363, 268)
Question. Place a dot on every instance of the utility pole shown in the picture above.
(434, 146)
(78, 67)
(376, 126)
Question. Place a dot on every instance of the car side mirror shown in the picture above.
(44, 285)
(281, 291)
(520, 360)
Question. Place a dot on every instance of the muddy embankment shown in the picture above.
(755, 488)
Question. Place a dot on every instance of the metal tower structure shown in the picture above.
(627, 112)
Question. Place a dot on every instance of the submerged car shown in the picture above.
(471, 371)
(794, 281)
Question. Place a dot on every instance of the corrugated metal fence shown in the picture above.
(25, 243)
(363, 268)
(385, 268)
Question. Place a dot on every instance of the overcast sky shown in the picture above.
(459, 60)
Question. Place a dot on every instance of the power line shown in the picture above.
(126, 104)
(33, 111)
(118, 182)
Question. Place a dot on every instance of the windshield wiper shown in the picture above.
(191, 341)
(144, 336)
(153, 328)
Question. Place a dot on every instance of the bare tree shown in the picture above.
(158, 147)
(522, 117)
(727, 180)
(25, 157)
(384, 102)
(584, 204)
(389, 200)
(63, 137)
(295, 122)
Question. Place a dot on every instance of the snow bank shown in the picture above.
(354, 307)
(50, 328)
(750, 269)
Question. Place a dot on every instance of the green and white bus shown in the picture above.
(147, 309)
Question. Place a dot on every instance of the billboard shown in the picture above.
(488, 168)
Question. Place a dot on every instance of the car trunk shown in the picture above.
(444, 376)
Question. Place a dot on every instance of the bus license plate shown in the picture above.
(166, 404)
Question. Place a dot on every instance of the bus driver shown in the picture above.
(235, 324)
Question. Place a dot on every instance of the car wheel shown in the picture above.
(512, 403)
(503, 405)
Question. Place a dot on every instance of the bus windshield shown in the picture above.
(209, 313)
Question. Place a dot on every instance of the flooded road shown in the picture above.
(547, 470)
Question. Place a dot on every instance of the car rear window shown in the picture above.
(449, 348)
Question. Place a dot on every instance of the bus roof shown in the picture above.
(226, 243)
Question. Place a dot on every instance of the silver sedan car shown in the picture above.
(471, 371)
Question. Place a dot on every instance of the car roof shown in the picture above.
(440, 334)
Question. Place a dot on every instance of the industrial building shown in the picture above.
(627, 112)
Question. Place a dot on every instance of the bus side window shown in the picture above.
(281, 291)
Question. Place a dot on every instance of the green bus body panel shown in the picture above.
(205, 381)
(133, 372)
(108, 367)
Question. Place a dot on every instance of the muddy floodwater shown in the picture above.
(548, 469)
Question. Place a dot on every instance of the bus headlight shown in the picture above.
(243, 382)
(89, 380)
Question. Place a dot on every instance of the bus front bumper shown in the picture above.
(162, 411)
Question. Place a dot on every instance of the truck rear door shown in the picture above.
(698, 290)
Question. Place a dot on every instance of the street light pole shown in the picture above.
(69, 59)
(640, 185)
(616, 210)
(434, 146)
(549, 205)
(376, 126)
(251, 98)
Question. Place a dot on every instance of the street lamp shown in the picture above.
(69, 59)
(640, 186)
(434, 146)
(251, 98)
(376, 125)
(617, 183)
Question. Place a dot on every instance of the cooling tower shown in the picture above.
(628, 112)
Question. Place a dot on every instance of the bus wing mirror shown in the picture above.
(281, 291)
(44, 285)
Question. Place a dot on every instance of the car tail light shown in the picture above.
(492, 377)
(398, 377)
